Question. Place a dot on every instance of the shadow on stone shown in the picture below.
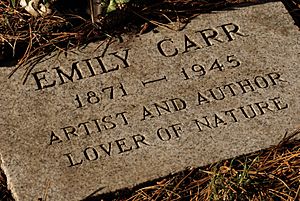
(5, 195)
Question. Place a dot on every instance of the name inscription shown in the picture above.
(87, 68)
(203, 98)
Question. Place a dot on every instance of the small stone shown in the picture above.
(36, 7)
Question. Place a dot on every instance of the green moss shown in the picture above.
(114, 4)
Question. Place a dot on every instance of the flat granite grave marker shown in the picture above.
(95, 121)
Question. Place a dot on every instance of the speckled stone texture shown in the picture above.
(95, 121)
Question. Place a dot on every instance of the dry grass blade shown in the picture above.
(256, 176)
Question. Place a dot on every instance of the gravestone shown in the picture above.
(104, 118)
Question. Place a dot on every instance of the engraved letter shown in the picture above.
(106, 150)
(176, 128)
(178, 104)
(231, 114)
(93, 155)
(71, 160)
(122, 114)
(201, 99)
(69, 77)
(160, 108)
(234, 30)
(212, 36)
(207, 124)
(89, 65)
(261, 107)
(248, 115)
(38, 80)
(103, 67)
(159, 134)
(221, 97)
(273, 77)
(107, 119)
(189, 44)
(71, 131)
(277, 103)
(230, 88)
(54, 138)
(85, 127)
(121, 143)
(218, 121)
(162, 52)
(263, 84)
(246, 83)
(141, 140)
(146, 113)
(124, 60)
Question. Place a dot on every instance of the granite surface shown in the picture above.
(104, 118)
